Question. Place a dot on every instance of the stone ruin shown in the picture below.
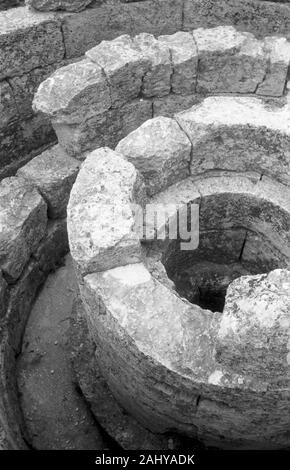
(170, 348)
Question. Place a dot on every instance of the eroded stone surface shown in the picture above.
(278, 52)
(28, 40)
(159, 150)
(53, 173)
(53, 5)
(121, 426)
(3, 295)
(254, 331)
(100, 217)
(259, 17)
(23, 223)
(184, 56)
(73, 93)
(104, 129)
(123, 65)
(261, 255)
(229, 61)
(240, 134)
(156, 81)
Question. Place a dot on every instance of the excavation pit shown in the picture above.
(188, 343)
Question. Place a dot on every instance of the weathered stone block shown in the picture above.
(240, 134)
(258, 17)
(157, 79)
(53, 5)
(260, 256)
(5, 4)
(101, 224)
(102, 130)
(28, 40)
(123, 65)
(109, 21)
(254, 331)
(159, 150)
(278, 53)
(229, 61)
(184, 58)
(25, 86)
(8, 110)
(74, 93)
(53, 173)
(23, 223)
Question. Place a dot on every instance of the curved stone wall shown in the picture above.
(54, 38)
(98, 101)
(33, 241)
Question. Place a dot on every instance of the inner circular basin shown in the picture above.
(235, 240)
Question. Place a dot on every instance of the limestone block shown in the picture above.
(108, 21)
(254, 331)
(278, 52)
(23, 222)
(53, 5)
(3, 295)
(258, 17)
(53, 173)
(240, 134)
(157, 326)
(229, 61)
(184, 58)
(159, 150)
(124, 67)
(236, 201)
(156, 81)
(73, 93)
(101, 224)
(28, 40)
(8, 111)
(102, 130)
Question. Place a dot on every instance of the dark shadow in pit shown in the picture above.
(202, 276)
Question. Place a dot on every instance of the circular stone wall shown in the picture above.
(175, 366)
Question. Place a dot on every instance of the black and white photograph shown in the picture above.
(144, 232)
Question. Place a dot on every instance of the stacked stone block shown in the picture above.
(46, 34)
(124, 82)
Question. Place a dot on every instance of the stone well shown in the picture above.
(195, 342)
